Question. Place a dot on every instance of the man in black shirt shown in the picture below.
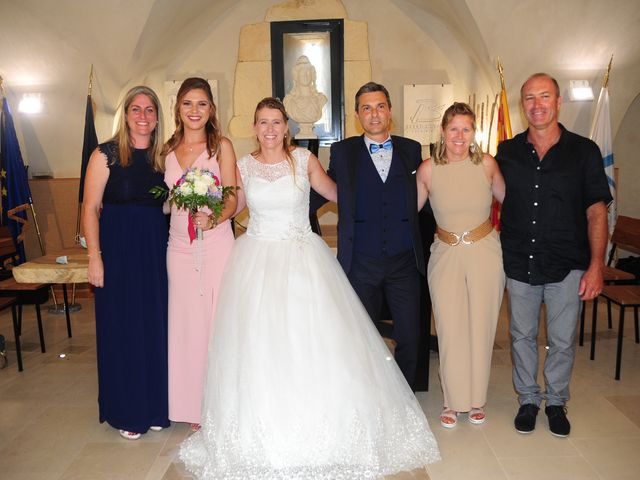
(554, 235)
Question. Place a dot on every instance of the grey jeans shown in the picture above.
(563, 306)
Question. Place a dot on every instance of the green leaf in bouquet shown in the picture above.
(159, 192)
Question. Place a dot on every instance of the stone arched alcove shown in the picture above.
(253, 70)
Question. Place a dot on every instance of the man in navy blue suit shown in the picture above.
(379, 241)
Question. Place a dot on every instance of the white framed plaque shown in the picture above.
(423, 109)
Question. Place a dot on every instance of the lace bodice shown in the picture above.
(278, 206)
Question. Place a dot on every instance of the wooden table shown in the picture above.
(46, 270)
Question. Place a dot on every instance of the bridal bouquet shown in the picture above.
(197, 188)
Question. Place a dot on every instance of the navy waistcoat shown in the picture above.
(381, 214)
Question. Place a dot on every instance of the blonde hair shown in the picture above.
(475, 152)
(212, 127)
(123, 136)
(276, 104)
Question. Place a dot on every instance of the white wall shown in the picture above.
(49, 47)
(626, 156)
(402, 51)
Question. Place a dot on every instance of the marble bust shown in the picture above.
(303, 102)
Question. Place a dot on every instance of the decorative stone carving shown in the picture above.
(303, 102)
(252, 79)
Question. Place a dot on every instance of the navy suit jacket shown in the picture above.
(342, 168)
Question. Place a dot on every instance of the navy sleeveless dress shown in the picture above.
(131, 308)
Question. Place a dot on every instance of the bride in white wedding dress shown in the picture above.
(300, 385)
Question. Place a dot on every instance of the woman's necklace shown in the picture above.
(191, 145)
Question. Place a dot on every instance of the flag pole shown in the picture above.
(493, 111)
(74, 306)
(79, 214)
(501, 73)
(601, 134)
(503, 100)
(605, 83)
(42, 249)
(33, 211)
(503, 132)
(35, 223)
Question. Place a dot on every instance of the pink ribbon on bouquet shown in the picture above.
(191, 229)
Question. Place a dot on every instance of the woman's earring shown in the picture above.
(472, 148)
(441, 140)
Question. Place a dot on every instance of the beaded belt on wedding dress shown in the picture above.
(466, 238)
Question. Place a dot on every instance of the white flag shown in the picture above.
(601, 134)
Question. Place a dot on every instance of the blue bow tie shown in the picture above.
(374, 147)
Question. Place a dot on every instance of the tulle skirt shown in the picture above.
(300, 385)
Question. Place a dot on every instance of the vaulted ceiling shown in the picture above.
(50, 45)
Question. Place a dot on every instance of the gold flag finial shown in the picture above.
(606, 75)
(91, 79)
(501, 72)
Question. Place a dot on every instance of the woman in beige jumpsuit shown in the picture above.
(465, 274)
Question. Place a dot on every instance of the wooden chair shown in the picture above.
(8, 251)
(7, 302)
(16, 294)
(627, 237)
(623, 296)
(625, 231)
(24, 294)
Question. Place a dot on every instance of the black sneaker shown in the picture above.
(525, 421)
(558, 422)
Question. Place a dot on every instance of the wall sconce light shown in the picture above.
(580, 90)
(30, 103)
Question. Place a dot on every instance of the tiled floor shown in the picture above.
(49, 427)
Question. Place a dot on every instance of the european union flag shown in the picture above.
(89, 144)
(14, 184)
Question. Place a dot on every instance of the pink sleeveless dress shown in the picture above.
(195, 272)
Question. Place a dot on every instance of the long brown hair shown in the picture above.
(212, 127)
(276, 104)
(123, 137)
(475, 153)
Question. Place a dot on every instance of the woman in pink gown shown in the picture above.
(195, 267)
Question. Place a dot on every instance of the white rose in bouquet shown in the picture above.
(185, 188)
(207, 179)
(200, 187)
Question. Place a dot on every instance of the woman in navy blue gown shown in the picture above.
(126, 232)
